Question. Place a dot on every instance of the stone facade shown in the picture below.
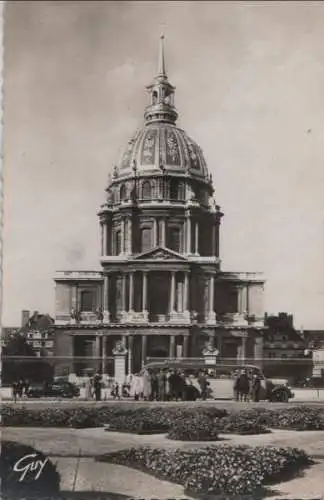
(161, 289)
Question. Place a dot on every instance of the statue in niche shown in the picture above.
(120, 348)
(99, 314)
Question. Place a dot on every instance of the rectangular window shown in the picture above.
(87, 300)
(146, 239)
(174, 242)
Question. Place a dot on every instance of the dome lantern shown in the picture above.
(161, 92)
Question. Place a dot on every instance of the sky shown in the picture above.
(249, 80)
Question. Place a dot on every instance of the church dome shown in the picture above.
(161, 145)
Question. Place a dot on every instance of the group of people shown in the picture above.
(247, 386)
(20, 389)
(166, 385)
(93, 387)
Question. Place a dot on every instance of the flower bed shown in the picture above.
(238, 471)
(243, 423)
(13, 485)
(146, 419)
(198, 426)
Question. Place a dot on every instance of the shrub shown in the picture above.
(47, 485)
(198, 426)
(240, 470)
(244, 423)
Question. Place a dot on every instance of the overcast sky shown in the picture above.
(250, 91)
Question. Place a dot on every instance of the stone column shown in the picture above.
(144, 296)
(130, 236)
(244, 304)
(172, 347)
(131, 291)
(130, 354)
(155, 233)
(104, 355)
(98, 354)
(197, 238)
(122, 235)
(106, 299)
(172, 292)
(123, 293)
(102, 238)
(105, 239)
(186, 291)
(163, 233)
(211, 312)
(258, 351)
(144, 343)
(185, 350)
(188, 234)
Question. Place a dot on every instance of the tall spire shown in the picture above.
(162, 71)
(161, 107)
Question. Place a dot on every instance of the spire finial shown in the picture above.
(162, 71)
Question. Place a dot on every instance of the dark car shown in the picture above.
(56, 389)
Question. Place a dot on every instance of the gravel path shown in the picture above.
(84, 474)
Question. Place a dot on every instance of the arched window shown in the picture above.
(122, 192)
(174, 239)
(155, 96)
(87, 300)
(146, 190)
(145, 239)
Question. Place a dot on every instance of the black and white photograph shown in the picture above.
(162, 236)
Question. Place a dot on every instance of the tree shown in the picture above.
(28, 366)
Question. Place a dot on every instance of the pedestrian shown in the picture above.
(236, 385)
(161, 378)
(243, 386)
(256, 388)
(147, 388)
(14, 391)
(136, 387)
(26, 388)
(154, 386)
(97, 386)
(87, 388)
(202, 380)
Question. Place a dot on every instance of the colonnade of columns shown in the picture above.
(178, 295)
(190, 246)
(100, 349)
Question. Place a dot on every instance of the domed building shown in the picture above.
(161, 289)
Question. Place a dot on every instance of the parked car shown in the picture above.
(58, 389)
(221, 379)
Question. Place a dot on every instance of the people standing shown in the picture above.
(136, 387)
(243, 386)
(256, 386)
(236, 386)
(147, 389)
(87, 388)
(161, 377)
(97, 386)
(154, 386)
(202, 380)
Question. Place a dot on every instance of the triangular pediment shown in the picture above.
(160, 253)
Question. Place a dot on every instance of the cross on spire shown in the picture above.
(162, 71)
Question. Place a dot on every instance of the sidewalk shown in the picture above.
(74, 451)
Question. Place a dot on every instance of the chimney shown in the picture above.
(24, 318)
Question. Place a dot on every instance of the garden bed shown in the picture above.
(179, 422)
(230, 470)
